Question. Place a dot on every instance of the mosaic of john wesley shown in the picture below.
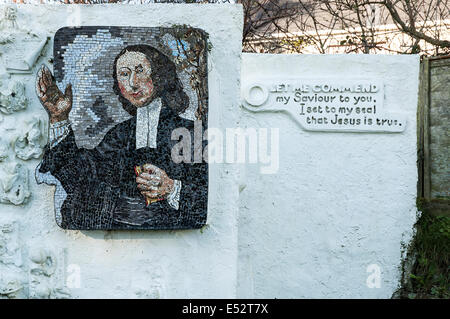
(129, 180)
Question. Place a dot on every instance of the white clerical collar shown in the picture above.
(147, 124)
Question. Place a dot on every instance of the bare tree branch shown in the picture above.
(411, 30)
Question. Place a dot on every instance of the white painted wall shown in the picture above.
(340, 201)
(167, 264)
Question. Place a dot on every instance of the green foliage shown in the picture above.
(429, 277)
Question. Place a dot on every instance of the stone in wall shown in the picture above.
(44, 263)
(13, 99)
(12, 276)
(14, 186)
(4, 150)
(154, 287)
(6, 38)
(15, 59)
(11, 285)
(32, 140)
(10, 253)
(439, 123)
(46, 275)
(40, 276)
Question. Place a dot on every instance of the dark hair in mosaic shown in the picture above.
(166, 84)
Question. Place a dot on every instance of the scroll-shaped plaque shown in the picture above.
(325, 105)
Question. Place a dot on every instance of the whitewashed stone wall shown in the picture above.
(37, 258)
(339, 208)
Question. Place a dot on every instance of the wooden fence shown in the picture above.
(433, 187)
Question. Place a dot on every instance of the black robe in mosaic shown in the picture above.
(101, 183)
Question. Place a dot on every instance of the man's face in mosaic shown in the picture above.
(134, 78)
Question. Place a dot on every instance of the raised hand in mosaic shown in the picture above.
(57, 104)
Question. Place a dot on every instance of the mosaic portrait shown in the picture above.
(125, 107)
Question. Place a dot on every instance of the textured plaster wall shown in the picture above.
(339, 201)
(38, 259)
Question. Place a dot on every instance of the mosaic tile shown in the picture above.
(116, 96)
